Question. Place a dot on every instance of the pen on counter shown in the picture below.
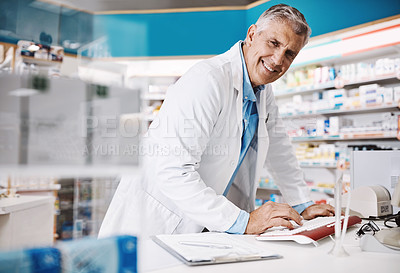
(206, 244)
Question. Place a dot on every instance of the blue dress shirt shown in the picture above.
(250, 123)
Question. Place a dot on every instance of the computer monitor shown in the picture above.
(369, 168)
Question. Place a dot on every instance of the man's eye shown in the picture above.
(274, 43)
(291, 55)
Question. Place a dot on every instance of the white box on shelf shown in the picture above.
(396, 93)
(387, 93)
(334, 125)
(320, 129)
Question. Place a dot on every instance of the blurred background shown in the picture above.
(80, 82)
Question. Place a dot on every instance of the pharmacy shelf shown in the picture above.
(149, 117)
(68, 171)
(346, 111)
(40, 62)
(54, 187)
(312, 188)
(304, 89)
(268, 189)
(349, 136)
(157, 96)
(329, 85)
(329, 191)
(317, 165)
(381, 78)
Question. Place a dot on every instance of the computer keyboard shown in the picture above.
(310, 232)
(307, 225)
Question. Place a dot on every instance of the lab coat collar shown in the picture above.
(233, 55)
(237, 77)
(236, 65)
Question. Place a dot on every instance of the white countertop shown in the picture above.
(296, 258)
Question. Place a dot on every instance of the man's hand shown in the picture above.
(271, 215)
(318, 210)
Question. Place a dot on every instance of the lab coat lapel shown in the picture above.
(237, 77)
(239, 106)
(263, 139)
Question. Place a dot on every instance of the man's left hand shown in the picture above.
(318, 210)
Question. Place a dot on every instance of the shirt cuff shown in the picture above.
(239, 227)
(300, 208)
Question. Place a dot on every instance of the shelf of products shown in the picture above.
(326, 190)
(268, 191)
(335, 114)
(40, 62)
(33, 57)
(302, 89)
(38, 188)
(345, 110)
(349, 136)
(366, 98)
(83, 203)
(153, 77)
(314, 164)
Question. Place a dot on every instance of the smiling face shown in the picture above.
(270, 52)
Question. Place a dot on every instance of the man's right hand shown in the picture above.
(272, 214)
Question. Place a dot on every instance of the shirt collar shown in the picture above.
(248, 91)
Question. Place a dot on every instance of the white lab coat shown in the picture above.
(191, 151)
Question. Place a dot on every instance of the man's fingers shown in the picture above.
(328, 210)
(318, 210)
(325, 212)
(270, 215)
(276, 222)
(286, 212)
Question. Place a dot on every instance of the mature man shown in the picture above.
(218, 127)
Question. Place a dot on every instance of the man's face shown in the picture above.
(270, 52)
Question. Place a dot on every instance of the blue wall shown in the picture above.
(171, 34)
(174, 34)
(213, 32)
(325, 16)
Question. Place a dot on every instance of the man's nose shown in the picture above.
(278, 57)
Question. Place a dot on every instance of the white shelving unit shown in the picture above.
(153, 77)
(154, 89)
(350, 110)
(350, 136)
(40, 62)
(331, 84)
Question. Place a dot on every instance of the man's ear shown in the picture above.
(250, 34)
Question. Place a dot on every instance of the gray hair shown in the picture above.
(285, 13)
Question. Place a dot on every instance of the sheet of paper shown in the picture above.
(209, 245)
(153, 257)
